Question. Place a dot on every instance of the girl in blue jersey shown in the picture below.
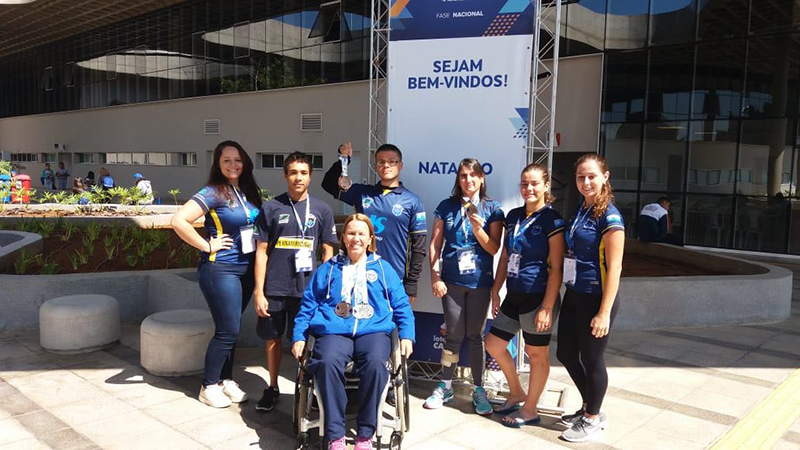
(530, 266)
(230, 201)
(592, 268)
(466, 235)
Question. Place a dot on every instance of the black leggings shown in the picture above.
(582, 354)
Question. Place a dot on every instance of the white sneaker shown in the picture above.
(233, 391)
(214, 396)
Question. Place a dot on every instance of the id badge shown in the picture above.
(248, 239)
(466, 262)
(513, 265)
(570, 266)
(303, 261)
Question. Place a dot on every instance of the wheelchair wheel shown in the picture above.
(303, 441)
(396, 441)
(301, 394)
(405, 398)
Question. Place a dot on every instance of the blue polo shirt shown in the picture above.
(225, 215)
(458, 235)
(585, 240)
(395, 214)
(533, 246)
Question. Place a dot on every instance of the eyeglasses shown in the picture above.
(390, 163)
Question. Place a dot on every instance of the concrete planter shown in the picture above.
(13, 242)
(149, 216)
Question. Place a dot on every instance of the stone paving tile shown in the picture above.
(25, 444)
(764, 367)
(12, 431)
(134, 430)
(255, 441)
(680, 426)
(747, 392)
(68, 439)
(535, 443)
(19, 367)
(658, 388)
(481, 433)
(683, 377)
(796, 426)
(436, 443)
(723, 404)
(785, 445)
(785, 343)
(180, 411)
(90, 410)
(55, 388)
(41, 422)
(17, 404)
(215, 429)
(654, 440)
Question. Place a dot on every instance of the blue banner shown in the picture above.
(448, 19)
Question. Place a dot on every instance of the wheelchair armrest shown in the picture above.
(307, 351)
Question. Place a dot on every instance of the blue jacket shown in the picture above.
(386, 295)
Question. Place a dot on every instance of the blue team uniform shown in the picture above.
(226, 216)
(395, 214)
(458, 236)
(653, 224)
(533, 246)
(585, 240)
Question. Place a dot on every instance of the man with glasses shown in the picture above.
(397, 214)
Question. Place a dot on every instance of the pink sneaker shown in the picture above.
(338, 444)
(363, 443)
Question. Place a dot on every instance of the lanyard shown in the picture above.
(578, 219)
(525, 225)
(303, 226)
(242, 201)
(465, 229)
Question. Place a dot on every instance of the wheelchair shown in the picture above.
(305, 415)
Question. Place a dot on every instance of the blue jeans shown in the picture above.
(227, 289)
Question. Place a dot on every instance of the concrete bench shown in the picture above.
(79, 323)
(174, 343)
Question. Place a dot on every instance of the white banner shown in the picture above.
(451, 99)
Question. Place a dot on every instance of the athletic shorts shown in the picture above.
(518, 311)
(282, 311)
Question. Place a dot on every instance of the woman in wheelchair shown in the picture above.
(352, 304)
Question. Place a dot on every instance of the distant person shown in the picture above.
(231, 202)
(293, 227)
(106, 181)
(467, 233)
(62, 175)
(145, 187)
(89, 181)
(78, 188)
(655, 224)
(592, 268)
(47, 177)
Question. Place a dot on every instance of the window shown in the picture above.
(275, 160)
(157, 159)
(187, 159)
(49, 157)
(84, 158)
(241, 40)
(47, 79)
(69, 74)
(23, 157)
(111, 67)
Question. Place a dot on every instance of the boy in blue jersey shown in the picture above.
(291, 229)
(396, 213)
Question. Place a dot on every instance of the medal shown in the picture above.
(343, 309)
(363, 311)
(344, 181)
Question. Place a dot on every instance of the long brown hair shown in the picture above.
(606, 194)
(361, 218)
(475, 166)
(548, 196)
(247, 183)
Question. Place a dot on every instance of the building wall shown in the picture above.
(266, 121)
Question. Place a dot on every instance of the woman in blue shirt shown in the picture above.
(592, 268)
(467, 231)
(230, 201)
(530, 266)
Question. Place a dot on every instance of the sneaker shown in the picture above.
(213, 395)
(440, 397)
(571, 419)
(481, 402)
(268, 400)
(583, 429)
(233, 391)
(363, 443)
(338, 444)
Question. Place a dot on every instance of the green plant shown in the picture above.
(49, 268)
(175, 193)
(69, 230)
(171, 253)
(88, 244)
(265, 195)
(5, 168)
(46, 197)
(23, 262)
(187, 258)
(110, 246)
(93, 230)
(46, 228)
(78, 259)
(132, 259)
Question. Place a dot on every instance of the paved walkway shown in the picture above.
(677, 388)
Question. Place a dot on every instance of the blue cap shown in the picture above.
(136, 176)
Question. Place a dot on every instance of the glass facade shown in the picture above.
(700, 104)
(195, 48)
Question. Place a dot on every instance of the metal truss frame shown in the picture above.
(544, 82)
(378, 78)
